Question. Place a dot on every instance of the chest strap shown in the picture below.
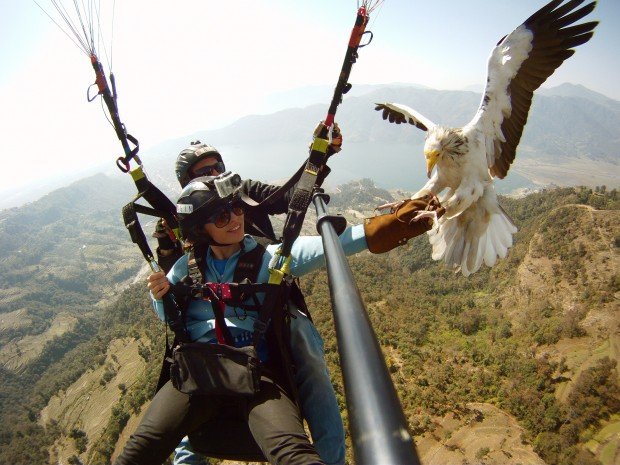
(236, 293)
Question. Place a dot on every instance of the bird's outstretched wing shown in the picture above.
(397, 113)
(518, 65)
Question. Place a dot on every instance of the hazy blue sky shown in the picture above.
(199, 64)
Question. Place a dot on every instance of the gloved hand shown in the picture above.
(335, 144)
(408, 219)
(164, 235)
(335, 141)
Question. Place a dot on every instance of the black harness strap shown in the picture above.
(155, 197)
(248, 265)
(277, 194)
(302, 195)
(132, 223)
(196, 272)
(174, 313)
(243, 286)
(162, 208)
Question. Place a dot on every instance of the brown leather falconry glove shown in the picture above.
(385, 232)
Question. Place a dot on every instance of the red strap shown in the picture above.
(222, 291)
(218, 329)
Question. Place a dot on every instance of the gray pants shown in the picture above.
(273, 419)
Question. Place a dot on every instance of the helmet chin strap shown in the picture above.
(207, 240)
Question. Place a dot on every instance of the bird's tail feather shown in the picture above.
(469, 240)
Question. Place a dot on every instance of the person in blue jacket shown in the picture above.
(317, 398)
(272, 414)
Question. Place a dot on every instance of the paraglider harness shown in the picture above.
(221, 368)
(203, 368)
(240, 294)
(200, 368)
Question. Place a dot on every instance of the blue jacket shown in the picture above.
(307, 256)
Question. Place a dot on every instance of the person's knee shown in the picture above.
(288, 448)
(142, 447)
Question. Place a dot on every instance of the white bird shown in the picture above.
(475, 228)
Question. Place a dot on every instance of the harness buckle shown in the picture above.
(260, 326)
(277, 275)
(221, 290)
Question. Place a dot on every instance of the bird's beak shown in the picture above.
(431, 161)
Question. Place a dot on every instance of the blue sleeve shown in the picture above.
(307, 252)
(176, 273)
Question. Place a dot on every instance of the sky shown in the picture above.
(194, 65)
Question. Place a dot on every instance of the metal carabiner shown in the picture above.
(369, 40)
(88, 97)
(122, 164)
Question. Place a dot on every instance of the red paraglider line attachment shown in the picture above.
(100, 79)
(343, 86)
(358, 29)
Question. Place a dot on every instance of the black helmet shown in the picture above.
(191, 155)
(203, 197)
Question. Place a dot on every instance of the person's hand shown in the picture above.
(158, 284)
(165, 238)
(335, 144)
(161, 229)
(334, 138)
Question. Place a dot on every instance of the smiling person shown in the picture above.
(215, 226)
(200, 159)
(317, 398)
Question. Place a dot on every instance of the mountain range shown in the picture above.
(571, 139)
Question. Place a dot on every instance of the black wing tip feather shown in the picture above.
(582, 28)
(395, 116)
(555, 36)
(420, 126)
(563, 15)
(389, 114)
(566, 18)
(544, 11)
(578, 40)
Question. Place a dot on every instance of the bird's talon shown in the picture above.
(392, 206)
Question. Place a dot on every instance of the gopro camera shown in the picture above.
(227, 183)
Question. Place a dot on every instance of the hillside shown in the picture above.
(61, 256)
(513, 364)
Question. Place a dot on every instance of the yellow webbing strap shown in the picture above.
(320, 145)
(277, 275)
(137, 173)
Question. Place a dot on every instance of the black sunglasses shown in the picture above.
(222, 217)
(208, 170)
